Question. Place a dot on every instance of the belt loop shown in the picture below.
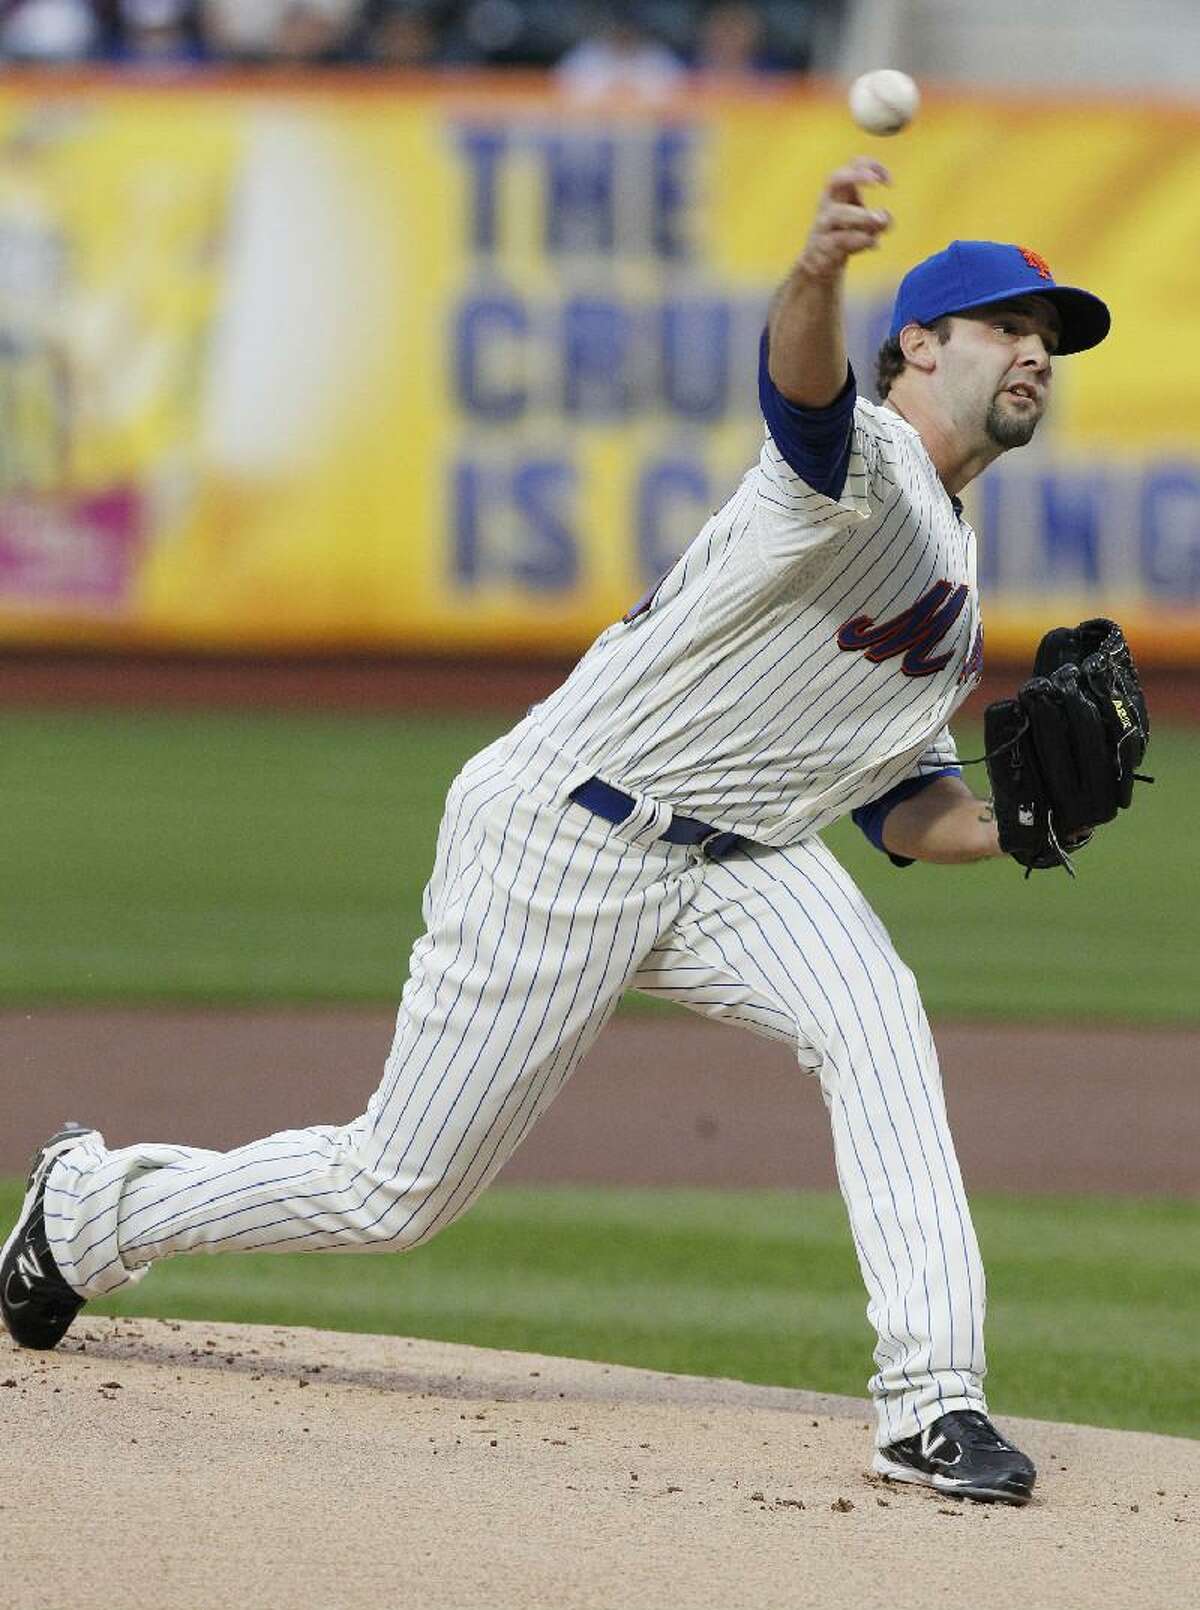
(647, 822)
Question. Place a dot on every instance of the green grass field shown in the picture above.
(241, 858)
(1094, 1305)
(230, 857)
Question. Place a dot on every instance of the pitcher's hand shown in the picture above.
(844, 225)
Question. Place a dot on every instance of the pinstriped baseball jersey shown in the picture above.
(539, 914)
(800, 661)
(803, 656)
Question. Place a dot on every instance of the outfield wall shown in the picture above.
(362, 364)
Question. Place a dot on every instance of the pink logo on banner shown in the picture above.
(80, 552)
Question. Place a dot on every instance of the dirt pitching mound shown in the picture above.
(185, 1465)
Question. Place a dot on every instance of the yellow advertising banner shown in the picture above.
(364, 367)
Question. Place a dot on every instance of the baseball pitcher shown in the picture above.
(655, 825)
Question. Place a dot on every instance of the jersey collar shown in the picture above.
(955, 502)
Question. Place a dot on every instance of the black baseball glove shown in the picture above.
(1063, 755)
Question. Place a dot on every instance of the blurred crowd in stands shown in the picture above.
(643, 45)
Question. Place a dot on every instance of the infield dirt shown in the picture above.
(239, 1468)
(203, 1466)
(660, 1100)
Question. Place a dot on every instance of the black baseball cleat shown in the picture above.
(36, 1302)
(962, 1454)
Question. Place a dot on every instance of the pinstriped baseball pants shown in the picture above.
(538, 916)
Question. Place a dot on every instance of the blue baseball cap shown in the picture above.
(975, 273)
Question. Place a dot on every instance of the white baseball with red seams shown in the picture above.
(884, 101)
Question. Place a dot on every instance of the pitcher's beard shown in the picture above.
(1010, 430)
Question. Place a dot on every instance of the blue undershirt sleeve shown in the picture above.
(872, 817)
(814, 441)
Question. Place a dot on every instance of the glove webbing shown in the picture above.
(980, 760)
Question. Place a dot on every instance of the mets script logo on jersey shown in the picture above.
(913, 633)
(973, 664)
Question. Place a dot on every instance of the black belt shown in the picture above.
(602, 799)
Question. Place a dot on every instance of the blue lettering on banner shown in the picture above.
(580, 211)
(673, 497)
(1124, 530)
(670, 167)
(486, 330)
(596, 340)
(542, 492)
(513, 524)
(617, 193)
(465, 499)
(604, 358)
(482, 149)
(695, 358)
(1070, 528)
(597, 345)
(1170, 532)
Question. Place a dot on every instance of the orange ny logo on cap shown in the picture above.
(1036, 261)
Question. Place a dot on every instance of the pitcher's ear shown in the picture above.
(920, 346)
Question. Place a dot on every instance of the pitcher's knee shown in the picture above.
(884, 1022)
(385, 1214)
(390, 1207)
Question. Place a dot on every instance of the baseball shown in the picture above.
(884, 102)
